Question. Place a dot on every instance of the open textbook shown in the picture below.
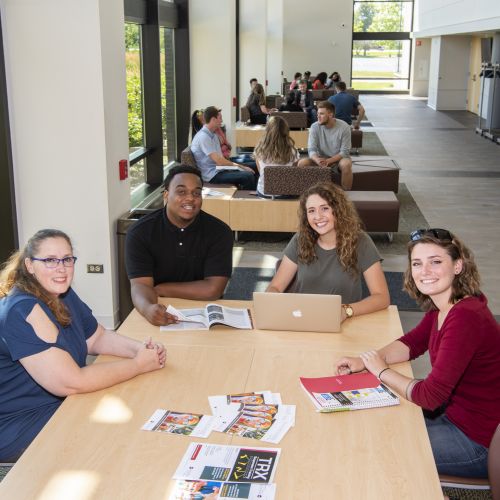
(227, 471)
(348, 392)
(212, 314)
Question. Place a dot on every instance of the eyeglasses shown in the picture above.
(52, 262)
(440, 234)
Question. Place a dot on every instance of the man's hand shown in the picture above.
(321, 162)
(244, 167)
(356, 126)
(157, 315)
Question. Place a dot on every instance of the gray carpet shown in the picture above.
(246, 280)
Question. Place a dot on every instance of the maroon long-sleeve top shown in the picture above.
(465, 359)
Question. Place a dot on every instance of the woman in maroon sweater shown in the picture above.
(463, 339)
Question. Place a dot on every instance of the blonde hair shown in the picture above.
(465, 284)
(276, 146)
(347, 226)
(14, 274)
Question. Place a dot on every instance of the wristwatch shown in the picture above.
(348, 310)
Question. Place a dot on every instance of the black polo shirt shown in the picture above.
(156, 248)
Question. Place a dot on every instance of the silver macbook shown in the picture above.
(299, 312)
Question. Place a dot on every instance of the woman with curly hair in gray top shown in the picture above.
(330, 253)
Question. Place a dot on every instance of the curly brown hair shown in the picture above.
(276, 146)
(14, 274)
(465, 284)
(347, 226)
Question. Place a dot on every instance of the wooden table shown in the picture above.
(93, 447)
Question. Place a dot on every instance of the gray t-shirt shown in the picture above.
(326, 275)
(328, 142)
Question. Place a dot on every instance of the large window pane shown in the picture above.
(382, 16)
(134, 97)
(381, 60)
(167, 94)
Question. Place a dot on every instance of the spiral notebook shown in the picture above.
(357, 391)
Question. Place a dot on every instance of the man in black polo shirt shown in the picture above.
(177, 251)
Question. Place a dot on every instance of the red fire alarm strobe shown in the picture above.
(418, 43)
(123, 169)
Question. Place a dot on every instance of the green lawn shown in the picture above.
(373, 74)
(373, 85)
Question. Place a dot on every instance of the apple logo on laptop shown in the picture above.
(297, 313)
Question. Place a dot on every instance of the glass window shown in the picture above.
(167, 94)
(382, 16)
(381, 64)
(134, 97)
(381, 48)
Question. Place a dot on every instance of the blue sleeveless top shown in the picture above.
(25, 406)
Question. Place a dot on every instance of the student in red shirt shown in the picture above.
(463, 339)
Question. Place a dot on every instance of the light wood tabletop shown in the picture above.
(93, 447)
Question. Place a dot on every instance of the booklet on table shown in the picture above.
(212, 314)
(348, 392)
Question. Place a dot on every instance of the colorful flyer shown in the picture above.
(216, 490)
(214, 462)
(175, 422)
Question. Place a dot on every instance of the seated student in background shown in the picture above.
(177, 251)
(319, 82)
(332, 80)
(290, 104)
(226, 149)
(307, 76)
(206, 149)
(256, 105)
(330, 253)
(276, 147)
(305, 100)
(46, 332)
(296, 79)
(344, 105)
(329, 144)
(463, 340)
(197, 122)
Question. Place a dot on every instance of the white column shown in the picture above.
(253, 45)
(65, 70)
(274, 69)
(419, 78)
(212, 45)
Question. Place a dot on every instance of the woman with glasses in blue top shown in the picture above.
(461, 393)
(46, 332)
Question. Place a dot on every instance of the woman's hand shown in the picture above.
(348, 365)
(160, 349)
(147, 359)
(373, 362)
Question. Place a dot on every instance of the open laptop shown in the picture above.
(299, 312)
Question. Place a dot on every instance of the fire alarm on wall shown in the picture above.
(123, 169)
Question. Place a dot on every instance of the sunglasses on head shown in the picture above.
(440, 234)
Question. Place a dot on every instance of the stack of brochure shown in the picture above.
(256, 415)
(226, 472)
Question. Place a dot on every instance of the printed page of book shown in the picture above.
(189, 319)
(214, 462)
(175, 422)
(237, 318)
(222, 490)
